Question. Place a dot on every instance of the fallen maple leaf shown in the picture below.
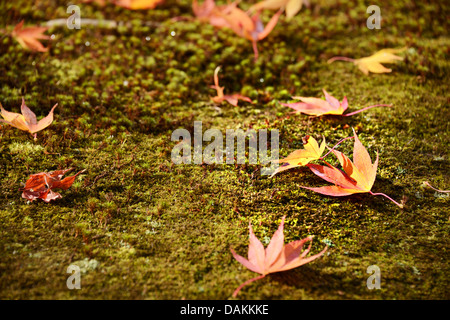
(276, 257)
(28, 37)
(429, 185)
(330, 106)
(292, 7)
(252, 27)
(138, 4)
(209, 12)
(232, 99)
(301, 157)
(41, 185)
(374, 62)
(27, 120)
(358, 176)
(205, 10)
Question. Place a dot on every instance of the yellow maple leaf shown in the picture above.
(374, 62)
(302, 157)
(27, 120)
(138, 4)
(292, 7)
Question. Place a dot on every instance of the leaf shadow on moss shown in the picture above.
(314, 280)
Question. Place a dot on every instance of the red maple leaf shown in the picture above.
(41, 185)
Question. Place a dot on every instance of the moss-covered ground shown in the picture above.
(143, 228)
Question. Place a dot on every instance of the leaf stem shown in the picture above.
(428, 184)
(245, 283)
(384, 195)
(369, 107)
(255, 50)
(339, 58)
(340, 141)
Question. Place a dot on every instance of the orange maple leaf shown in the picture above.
(208, 11)
(28, 37)
(27, 120)
(276, 257)
(252, 27)
(138, 4)
(41, 185)
(230, 16)
(232, 99)
(330, 106)
(358, 176)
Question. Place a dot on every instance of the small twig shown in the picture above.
(92, 22)
(111, 24)
(98, 177)
(99, 236)
(124, 164)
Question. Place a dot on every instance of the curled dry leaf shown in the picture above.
(138, 4)
(374, 62)
(29, 37)
(27, 120)
(357, 176)
(292, 7)
(319, 107)
(232, 99)
(301, 157)
(41, 185)
(276, 257)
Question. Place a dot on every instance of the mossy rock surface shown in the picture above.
(144, 228)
